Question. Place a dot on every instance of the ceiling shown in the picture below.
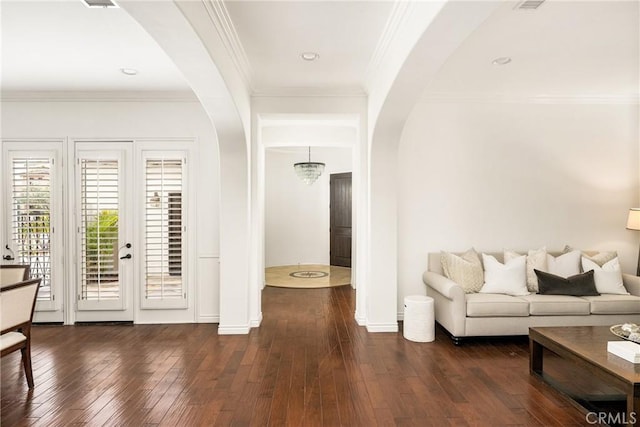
(564, 48)
(66, 46)
(274, 34)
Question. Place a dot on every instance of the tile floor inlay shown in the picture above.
(307, 276)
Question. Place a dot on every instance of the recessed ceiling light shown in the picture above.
(100, 3)
(503, 60)
(529, 4)
(129, 71)
(309, 56)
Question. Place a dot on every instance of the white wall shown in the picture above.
(297, 214)
(141, 119)
(520, 176)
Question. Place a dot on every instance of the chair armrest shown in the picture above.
(443, 285)
(632, 283)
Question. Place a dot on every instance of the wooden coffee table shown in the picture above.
(586, 346)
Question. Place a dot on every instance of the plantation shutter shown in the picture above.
(99, 212)
(163, 233)
(31, 189)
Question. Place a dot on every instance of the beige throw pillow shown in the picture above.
(601, 258)
(536, 260)
(465, 270)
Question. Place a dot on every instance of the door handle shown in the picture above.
(8, 257)
(128, 246)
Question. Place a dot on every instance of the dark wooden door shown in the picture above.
(340, 219)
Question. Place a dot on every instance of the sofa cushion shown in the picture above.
(465, 269)
(608, 277)
(496, 305)
(577, 285)
(565, 265)
(557, 305)
(509, 278)
(601, 258)
(614, 304)
(536, 259)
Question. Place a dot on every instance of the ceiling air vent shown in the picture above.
(529, 4)
(100, 3)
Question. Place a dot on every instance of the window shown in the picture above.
(164, 284)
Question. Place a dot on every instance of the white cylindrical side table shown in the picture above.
(419, 321)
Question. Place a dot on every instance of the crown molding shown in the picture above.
(223, 24)
(397, 18)
(97, 96)
(577, 99)
(310, 92)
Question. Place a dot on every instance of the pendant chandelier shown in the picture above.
(309, 171)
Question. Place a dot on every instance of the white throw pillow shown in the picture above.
(565, 265)
(465, 269)
(608, 278)
(509, 278)
(536, 260)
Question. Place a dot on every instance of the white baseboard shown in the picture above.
(382, 327)
(209, 319)
(401, 316)
(157, 322)
(233, 329)
(360, 320)
(255, 323)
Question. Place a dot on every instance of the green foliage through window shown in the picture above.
(101, 241)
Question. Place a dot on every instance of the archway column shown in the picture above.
(235, 316)
(189, 36)
(435, 31)
(382, 292)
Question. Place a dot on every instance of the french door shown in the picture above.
(104, 231)
(162, 231)
(119, 251)
(32, 232)
(131, 231)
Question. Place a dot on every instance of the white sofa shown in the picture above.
(477, 314)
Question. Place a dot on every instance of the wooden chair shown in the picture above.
(13, 273)
(17, 303)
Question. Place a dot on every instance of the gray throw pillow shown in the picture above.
(577, 285)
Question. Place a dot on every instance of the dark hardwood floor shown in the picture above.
(308, 364)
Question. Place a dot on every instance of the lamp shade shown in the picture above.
(633, 222)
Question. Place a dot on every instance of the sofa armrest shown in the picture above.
(445, 286)
(632, 283)
(450, 302)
